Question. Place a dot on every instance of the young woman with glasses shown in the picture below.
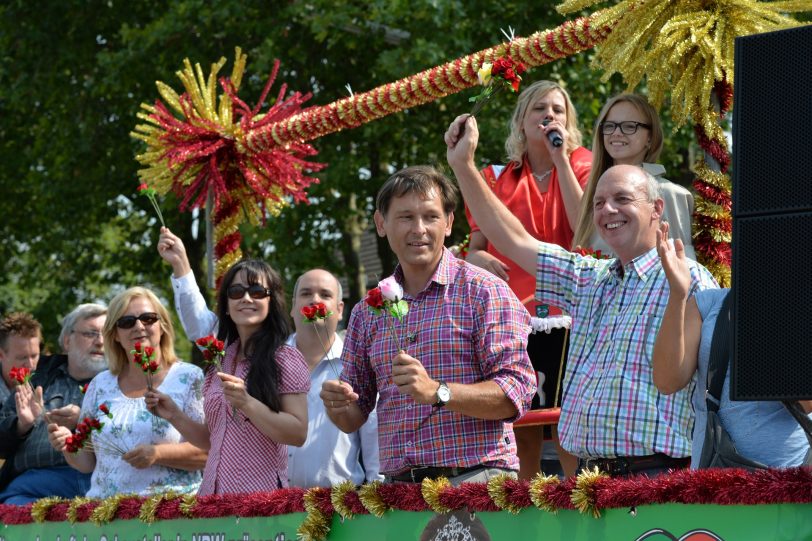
(628, 132)
(257, 404)
(134, 451)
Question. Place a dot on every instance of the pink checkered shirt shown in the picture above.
(466, 326)
(241, 458)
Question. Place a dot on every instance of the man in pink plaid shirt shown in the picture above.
(446, 401)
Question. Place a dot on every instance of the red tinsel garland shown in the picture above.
(470, 496)
(713, 147)
(713, 486)
(58, 513)
(84, 511)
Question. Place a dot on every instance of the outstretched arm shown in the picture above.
(677, 347)
(497, 223)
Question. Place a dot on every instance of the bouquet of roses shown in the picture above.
(503, 73)
(387, 298)
(214, 351)
(87, 435)
(144, 357)
(314, 313)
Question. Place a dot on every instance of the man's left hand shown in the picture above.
(411, 378)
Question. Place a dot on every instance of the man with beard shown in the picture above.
(33, 470)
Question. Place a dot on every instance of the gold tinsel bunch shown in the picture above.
(681, 46)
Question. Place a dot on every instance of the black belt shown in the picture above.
(624, 465)
(416, 475)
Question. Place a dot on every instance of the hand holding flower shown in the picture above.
(234, 390)
(503, 73)
(162, 405)
(411, 378)
(141, 457)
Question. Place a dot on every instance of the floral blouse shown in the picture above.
(133, 425)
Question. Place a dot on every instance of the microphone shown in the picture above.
(553, 136)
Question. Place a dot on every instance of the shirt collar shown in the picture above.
(442, 274)
(643, 265)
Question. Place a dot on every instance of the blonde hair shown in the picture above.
(117, 357)
(516, 142)
(601, 160)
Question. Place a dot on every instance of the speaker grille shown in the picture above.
(772, 123)
(772, 334)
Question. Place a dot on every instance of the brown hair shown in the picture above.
(601, 160)
(421, 179)
(20, 324)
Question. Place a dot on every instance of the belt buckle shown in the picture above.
(417, 470)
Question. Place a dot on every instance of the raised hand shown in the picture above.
(29, 405)
(337, 395)
(172, 250)
(675, 265)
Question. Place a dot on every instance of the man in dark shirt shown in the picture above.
(33, 469)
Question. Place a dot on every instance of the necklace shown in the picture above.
(542, 177)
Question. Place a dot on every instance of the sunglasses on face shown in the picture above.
(128, 322)
(255, 291)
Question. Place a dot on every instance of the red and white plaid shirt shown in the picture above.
(466, 326)
(241, 458)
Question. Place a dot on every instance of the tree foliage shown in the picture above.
(72, 78)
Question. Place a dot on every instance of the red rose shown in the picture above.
(137, 347)
(374, 298)
(153, 366)
(149, 351)
(515, 84)
(137, 358)
(219, 345)
(207, 355)
(321, 309)
(143, 186)
(309, 312)
(104, 409)
(520, 68)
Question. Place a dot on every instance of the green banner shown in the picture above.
(784, 522)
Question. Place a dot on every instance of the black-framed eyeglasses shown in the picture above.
(128, 322)
(627, 127)
(255, 291)
(92, 335)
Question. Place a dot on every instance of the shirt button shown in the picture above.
(408, 444)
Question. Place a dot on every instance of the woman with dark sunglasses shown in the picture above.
(257, 404)
(134, 451)
(628, 132)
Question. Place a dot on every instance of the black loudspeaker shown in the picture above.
(772, 217)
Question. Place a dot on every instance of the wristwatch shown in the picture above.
(443, 395)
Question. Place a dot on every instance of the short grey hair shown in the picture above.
(338, 284)
(652, 186)
(80, 313)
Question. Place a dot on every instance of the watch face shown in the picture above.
(443, 393)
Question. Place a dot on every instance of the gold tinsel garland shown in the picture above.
(431, 489)
(684, 48)
(538, 494)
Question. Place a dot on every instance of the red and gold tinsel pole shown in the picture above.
(684, 48)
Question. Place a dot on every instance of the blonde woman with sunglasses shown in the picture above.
(134, 451)
(257, 403)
